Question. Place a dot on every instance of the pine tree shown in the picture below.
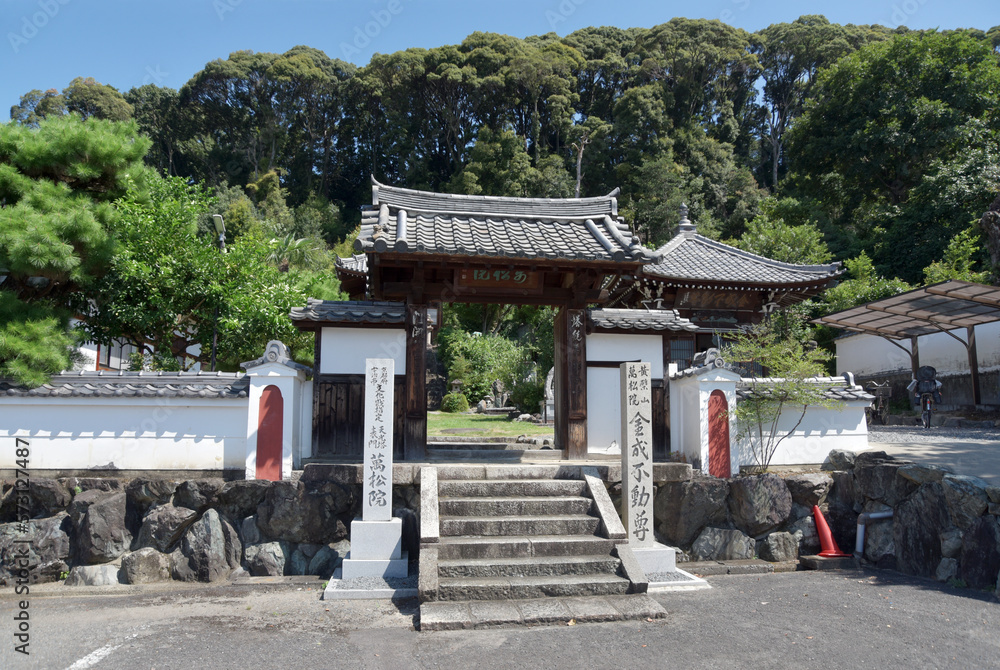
(57, 183)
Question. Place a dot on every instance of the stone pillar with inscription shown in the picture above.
(637, 469)
(376, 538)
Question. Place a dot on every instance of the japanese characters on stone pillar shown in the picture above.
(637, 453)
(377, 487)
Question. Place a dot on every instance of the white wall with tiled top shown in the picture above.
(167, 433)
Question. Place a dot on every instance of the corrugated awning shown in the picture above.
(923, 311)
(938, 308)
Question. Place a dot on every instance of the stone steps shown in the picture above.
(515, 505)
(534, 566)
(507, 588)
(476, 614)
(517, 538)
(514, 547)
(491, 455)
(555, 524)
(497, 488)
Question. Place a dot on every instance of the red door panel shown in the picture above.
(718, 435)
(269, 429)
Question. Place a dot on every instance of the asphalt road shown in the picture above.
(791, 620)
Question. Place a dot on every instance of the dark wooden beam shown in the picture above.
(315, 399)
(973, 364)
(571, 382)
(415, 423)
(433, 292)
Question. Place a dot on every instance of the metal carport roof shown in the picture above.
(938, 308)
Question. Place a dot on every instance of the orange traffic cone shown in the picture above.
(827, 543)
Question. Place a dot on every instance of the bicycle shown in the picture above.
(879, 409)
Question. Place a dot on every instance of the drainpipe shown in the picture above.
(859, 544)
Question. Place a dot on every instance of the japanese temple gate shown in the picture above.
(418, 250)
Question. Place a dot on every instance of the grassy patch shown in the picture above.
(480, 425)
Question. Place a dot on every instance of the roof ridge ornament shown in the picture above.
(685, 225)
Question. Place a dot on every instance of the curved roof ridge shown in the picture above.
(453, 203)
(736, 251)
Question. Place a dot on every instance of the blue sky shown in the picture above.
(46, 43)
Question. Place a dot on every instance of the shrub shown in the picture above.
(455, 402)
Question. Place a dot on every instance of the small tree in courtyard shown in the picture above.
(776, 373)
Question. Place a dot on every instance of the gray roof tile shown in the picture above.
(586, 229)
(834, 388)
(352, 312)
(106, 384)
(690, 256)
(357, 263)
(639, 319)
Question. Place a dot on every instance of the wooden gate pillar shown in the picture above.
(415, 423)
(571, 382)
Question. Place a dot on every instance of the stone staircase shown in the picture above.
(518, 537)
(487, 451)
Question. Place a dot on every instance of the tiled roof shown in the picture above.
(639, 319)
(835, 388)
(353, 312)
(693, 257)
(583, 229)
(135, 385)
(357, 263)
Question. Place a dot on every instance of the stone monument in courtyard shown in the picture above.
(376, 538)
(637, 470)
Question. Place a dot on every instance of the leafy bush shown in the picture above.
(479, 361)
(455, 402)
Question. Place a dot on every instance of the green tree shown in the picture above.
(960, 256)
(90, 98)
(865, 285)
(776, 375)
(900, 143)
(57, 183)
(165, 283)
(36, 105)
(768, 235)
(790, 55)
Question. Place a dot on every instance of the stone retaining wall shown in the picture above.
(103, 530)
(945, 526)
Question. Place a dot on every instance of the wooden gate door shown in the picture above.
(718, 435)
(269, 429)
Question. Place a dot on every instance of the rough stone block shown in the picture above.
(719, 544)
(487, 613)
(145, 566)
(445, 616)
(543, 610)
(93, 575)
(778, 547)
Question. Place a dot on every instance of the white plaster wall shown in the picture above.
(870, 354)
(822, 429)
(604, 410)
(88, 353)
(621, 348)
(126, 433)
(344, 350)
(603, 384)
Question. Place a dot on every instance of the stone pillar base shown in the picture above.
(656, 559)
(362, 567)
(376, 550)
